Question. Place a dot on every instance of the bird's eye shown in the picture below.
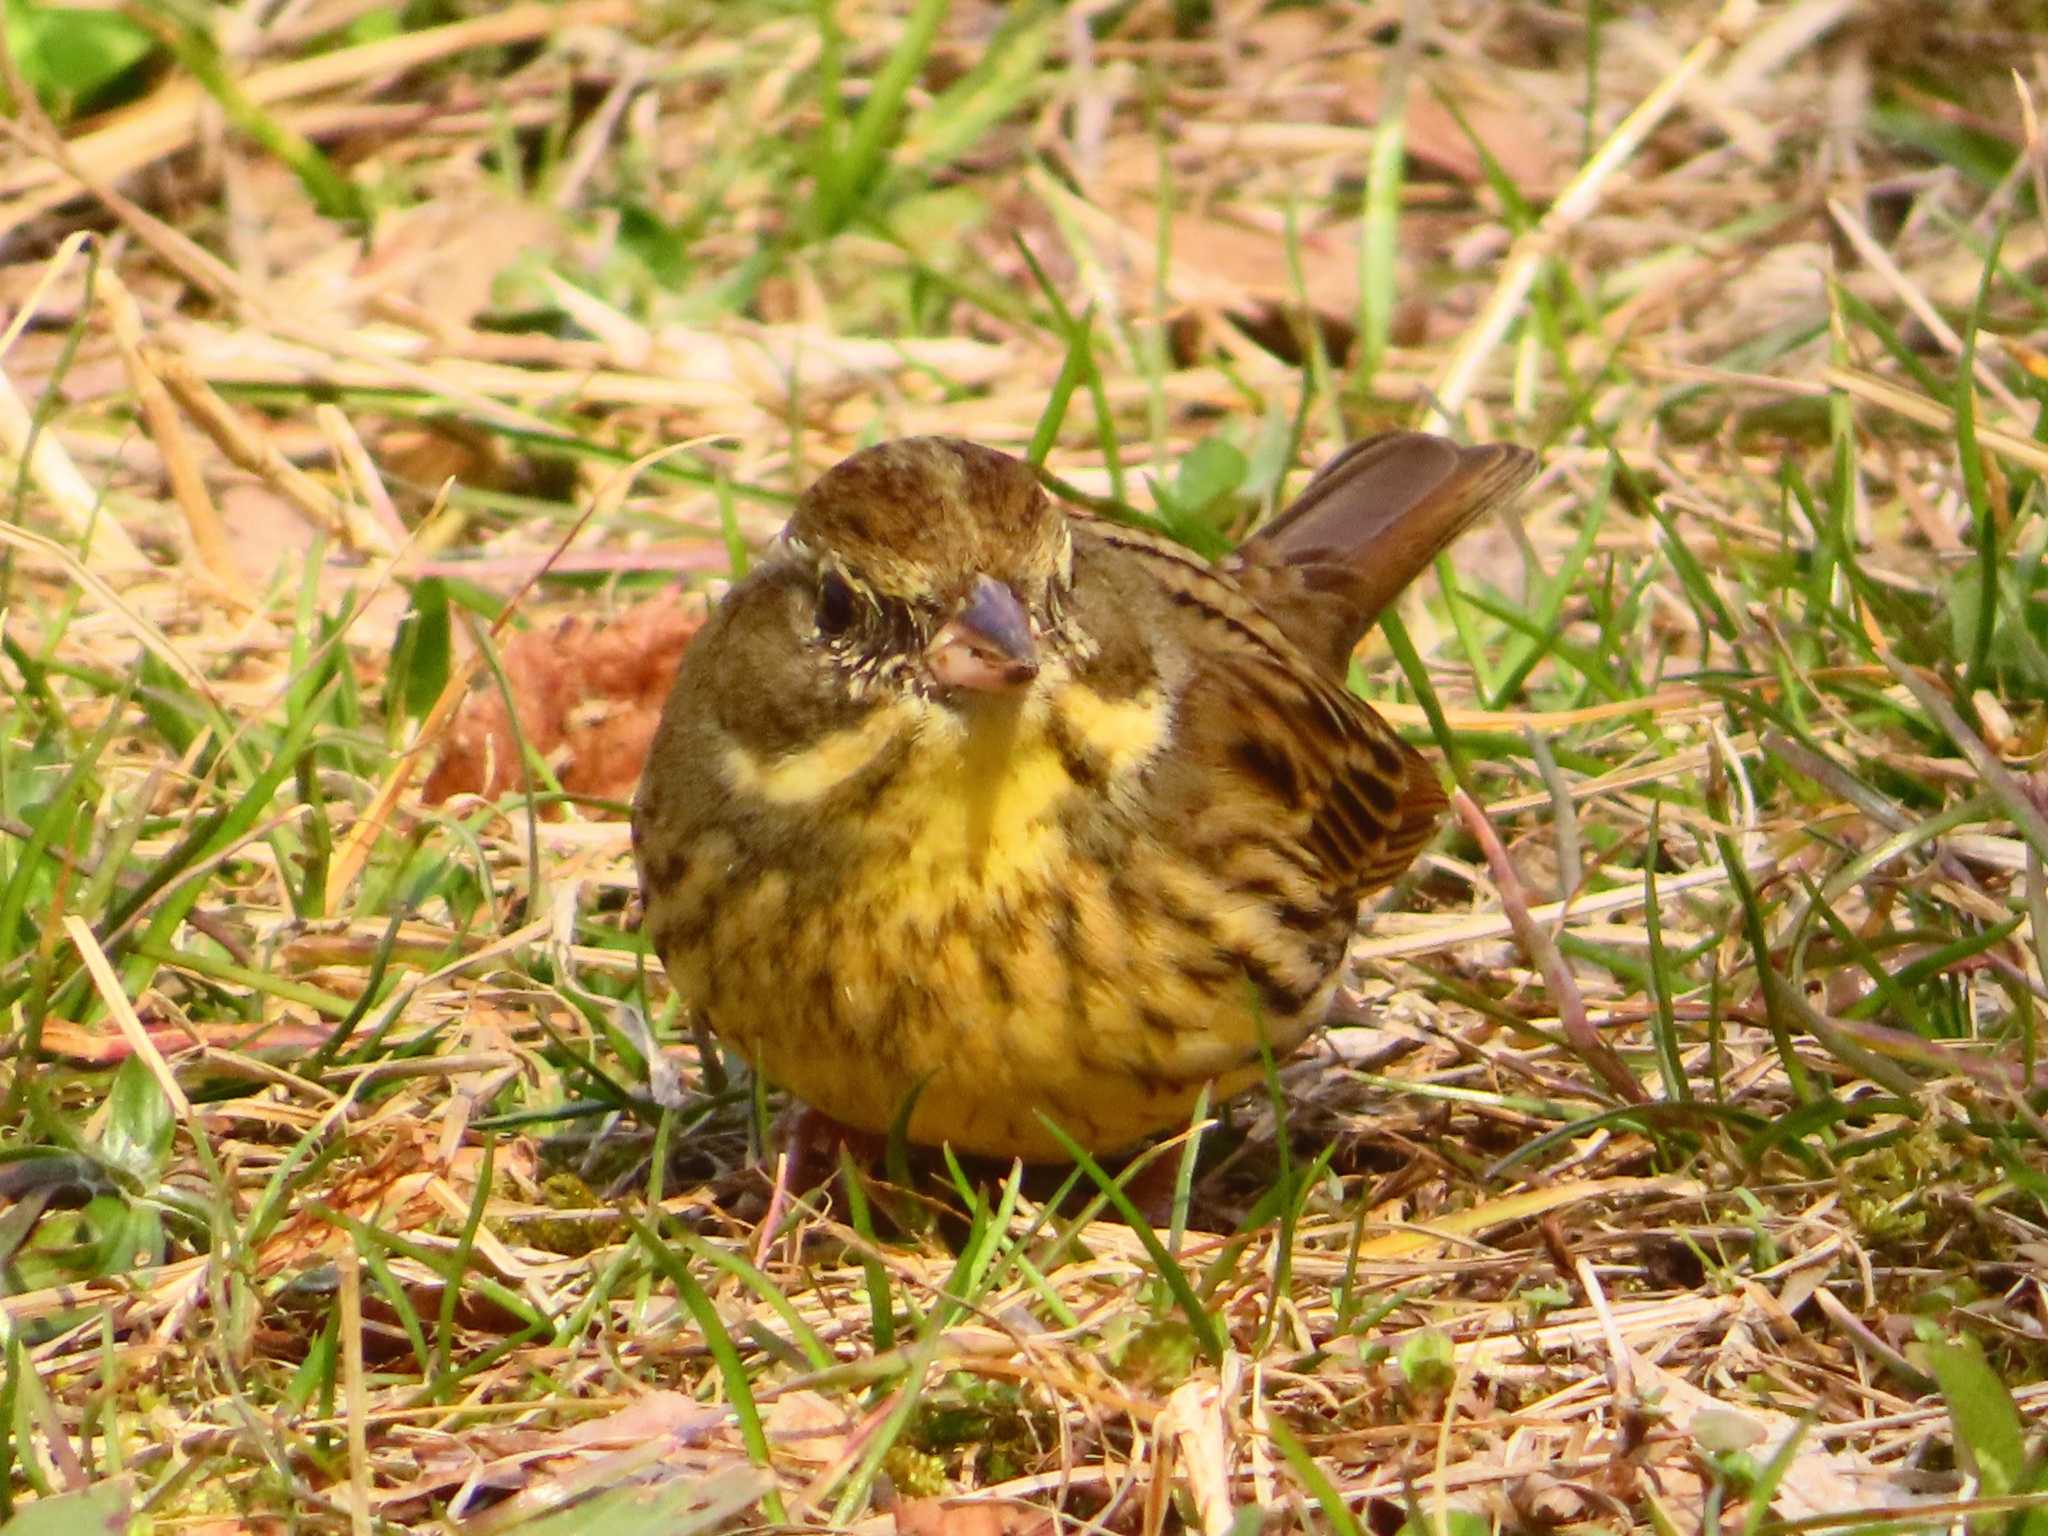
(835, 604)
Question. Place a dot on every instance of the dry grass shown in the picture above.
(1679, 1163)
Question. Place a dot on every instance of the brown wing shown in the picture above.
(1370, 800)
(1365, 527)
(1274, 631)
(1357, 800)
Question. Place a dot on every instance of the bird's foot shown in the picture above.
(811, 1142)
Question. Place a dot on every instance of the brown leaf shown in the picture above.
(937, 1517)
(1193, 1421)
(588, 695)
(674, 1416)
(808, 1425)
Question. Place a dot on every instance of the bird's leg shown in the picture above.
(811, 1140)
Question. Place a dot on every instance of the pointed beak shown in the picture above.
(987, 646)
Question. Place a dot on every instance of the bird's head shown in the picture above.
(936, 565)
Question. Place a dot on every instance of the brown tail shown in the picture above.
(1365, 527)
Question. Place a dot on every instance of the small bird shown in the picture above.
(971, 802)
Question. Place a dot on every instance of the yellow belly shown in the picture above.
(969, 953)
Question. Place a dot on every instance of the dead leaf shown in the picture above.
(673, 1416)
(1817, 1481)
(809, 1426)
(1193, 1420)
(588, 695)
(937, 1517)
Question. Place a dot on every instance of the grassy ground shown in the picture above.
(1680, 1163)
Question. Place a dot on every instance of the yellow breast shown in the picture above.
(975, 946)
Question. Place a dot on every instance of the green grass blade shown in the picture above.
(1207, 1334)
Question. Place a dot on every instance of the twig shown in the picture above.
(258, 455)
(355, 1393)
(1879, 260)
(160, 413)
(123, 1011)
(1931, 413)
(1542, 953)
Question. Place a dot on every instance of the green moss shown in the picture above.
(993, 1426)
(917, 1474)
(1156, 1357)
